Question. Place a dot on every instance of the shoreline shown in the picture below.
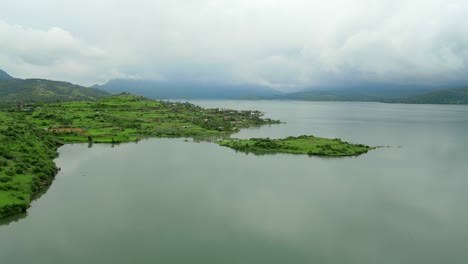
(31, 145)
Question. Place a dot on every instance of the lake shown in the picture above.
(172, 201)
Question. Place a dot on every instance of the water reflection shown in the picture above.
(17, 218)
(174, 201)
(13, 219)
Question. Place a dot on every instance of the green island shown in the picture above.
(309, 145)
(31, 134)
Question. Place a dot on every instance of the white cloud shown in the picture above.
(280, 43)
(53, 53)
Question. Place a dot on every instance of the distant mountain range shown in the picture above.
(356, 94)
(186, 90)
(13, 90)
(444, 96)
(200, 90)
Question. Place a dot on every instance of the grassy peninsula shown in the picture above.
(127, 117)
(31, 134)
(309, 145)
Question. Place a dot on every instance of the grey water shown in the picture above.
(172, 201)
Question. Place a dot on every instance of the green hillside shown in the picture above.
(14, 91)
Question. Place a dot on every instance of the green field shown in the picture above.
(127, 117)
(309, 145)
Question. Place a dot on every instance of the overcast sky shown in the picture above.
(283, 44)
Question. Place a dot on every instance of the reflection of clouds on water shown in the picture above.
(76, 161)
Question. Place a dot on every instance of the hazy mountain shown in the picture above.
(186, 90)
(357, 94)
(14, 90)
(4, 75)
(199, 90)
(444, 96)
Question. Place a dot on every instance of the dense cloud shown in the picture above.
(283, 44)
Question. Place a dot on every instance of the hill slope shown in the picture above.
(43, 91)
(5, 76)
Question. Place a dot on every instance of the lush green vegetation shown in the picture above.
(127, 117)
(309, 145)
(26, 162)
(18, 91)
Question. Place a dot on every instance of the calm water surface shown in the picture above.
(171, 201)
